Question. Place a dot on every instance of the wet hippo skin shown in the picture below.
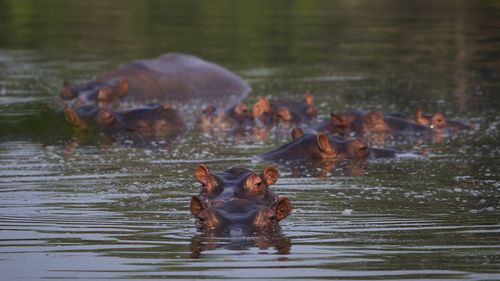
(239, 201)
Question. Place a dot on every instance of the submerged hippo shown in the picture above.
(320, 146)
(238, 201)
(364, 123)
(284, 111)
(172, 78)
(150, 121)
(235, 118)
(438, 122)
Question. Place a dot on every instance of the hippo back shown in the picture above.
(180, 80)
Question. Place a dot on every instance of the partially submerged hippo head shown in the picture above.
(238, 200)
(98, 93)
(284, 111)
(303, 147)
(372, 122)
(311, 147)
(438, 122)
(237, 117)
(151, 121)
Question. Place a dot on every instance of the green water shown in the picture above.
(82, 207)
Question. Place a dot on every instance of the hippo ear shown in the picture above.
(201, 173)
(260, 107)
(270, 175)
(73, 118)
(122, 88)
(420, 117)
(197, 206)
(282, 208)
(284, 114)
(308, 98)
(297, 133)
(105, 94)
(324, 142)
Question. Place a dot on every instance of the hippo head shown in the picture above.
(238, 183)
(261, 110)
(152, 121)
(373, 122)
(341, 123)
(439, 123)
(357, 149)
(96, 92)
(239, 216)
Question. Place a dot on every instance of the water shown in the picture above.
(82, 207)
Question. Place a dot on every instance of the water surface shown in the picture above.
(82, 207)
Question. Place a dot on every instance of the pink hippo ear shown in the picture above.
(122, 87)
(324, 143)
(297, 133)
(420, 117)
(260, 107)
(105, 94)
(73, 118)
(270, 175)
(201, 173)
(282, 208)
(197, 206)
(308, 98)
(282, 113)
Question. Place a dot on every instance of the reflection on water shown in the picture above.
(87, 207)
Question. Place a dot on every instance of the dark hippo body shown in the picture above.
(239, 201)
(173, 78)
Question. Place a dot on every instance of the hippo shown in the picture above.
(439, 123)
(374, 127)
(362, 123)
(284, 111)
(153, 120)
(238, 202)
(234, 118)
(173, 78)
(321, 146)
